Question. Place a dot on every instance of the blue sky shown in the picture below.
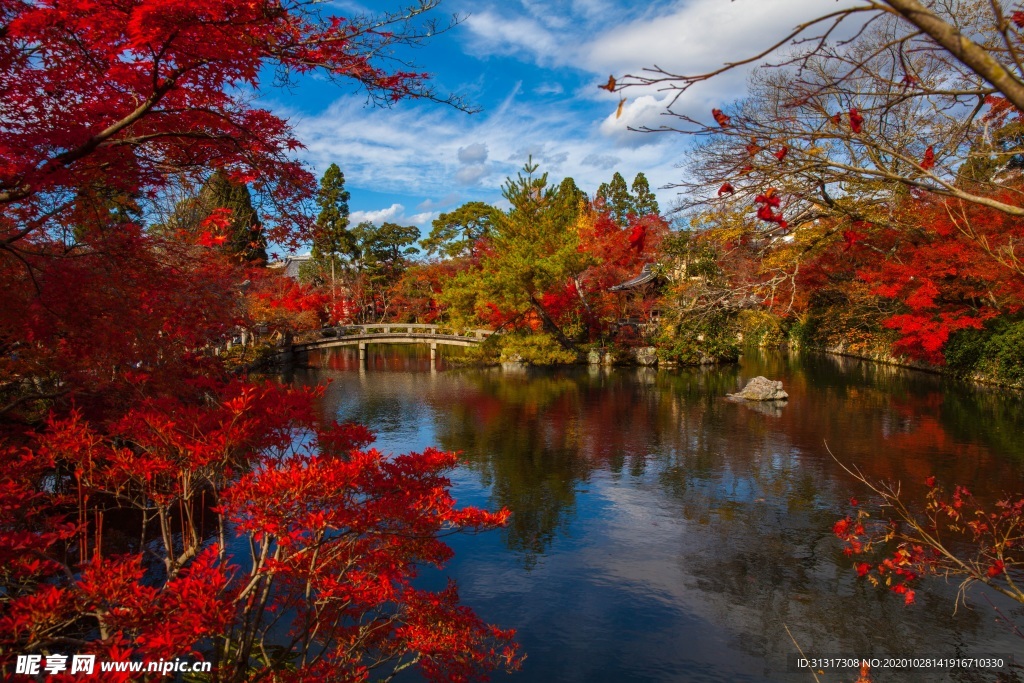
(533, 68)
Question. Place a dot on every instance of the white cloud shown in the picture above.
(412, 150)
(644, 111)
(427, 151)
(555, 161)
(388, 215)
(493, 34)
(602, 161)
(685, 36)
(393, 214)
(695, 35)
(471, 175)
(473, 154)
(549, 89)
(422, 218)
(449, 199)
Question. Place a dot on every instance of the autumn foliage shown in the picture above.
(898, 549)
(312, 534)
(153, 506)
(943, 274)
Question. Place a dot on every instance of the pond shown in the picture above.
(660, 532)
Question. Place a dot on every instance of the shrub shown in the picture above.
(1004, 353)
(760, 328)
(535, 349)
(708, 338)
(965, 350)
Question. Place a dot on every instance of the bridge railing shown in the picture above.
(403, 328)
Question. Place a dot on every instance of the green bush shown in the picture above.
(1004, 353)
(535, 349)
(696, 340)
(760, 328)
(805, 332)
(965, 350)
(487, 353)
(996, 352)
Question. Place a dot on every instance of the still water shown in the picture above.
(662, 533)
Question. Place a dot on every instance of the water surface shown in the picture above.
(662, 533)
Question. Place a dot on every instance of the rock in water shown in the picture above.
(762, 389)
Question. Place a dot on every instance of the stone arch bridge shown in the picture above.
(361, 336)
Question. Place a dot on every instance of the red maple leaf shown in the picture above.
(929, 159)
(856, 120)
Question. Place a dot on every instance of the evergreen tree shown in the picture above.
(454, 234)
(99, 207)
(381, 257)
(644, 201)
(331, 236)
(245, 234)
(616, 198)
(245, 238)
(535, 250)
(569, 199)
(385, 251)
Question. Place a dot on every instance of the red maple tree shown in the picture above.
(153, 506)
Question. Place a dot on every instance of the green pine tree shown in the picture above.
(455, 233)
(534, 251)
(332, 238)
(616, 198)
(381, 256)
(644, 201)
(245, 234)
(569, 199)
(99, 207)
(245, 239)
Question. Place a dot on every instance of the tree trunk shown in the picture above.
(550, 326)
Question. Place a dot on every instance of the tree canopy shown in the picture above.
(132, 462)
(615, 198)
(456, 233)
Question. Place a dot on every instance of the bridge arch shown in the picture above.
(390, 333)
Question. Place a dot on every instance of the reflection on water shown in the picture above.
(663, 533)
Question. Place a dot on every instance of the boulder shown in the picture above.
(647, 355)
(762, 389)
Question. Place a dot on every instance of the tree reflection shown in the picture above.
(519, 434)
(712, 507)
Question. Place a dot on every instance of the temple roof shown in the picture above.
(646, 275)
